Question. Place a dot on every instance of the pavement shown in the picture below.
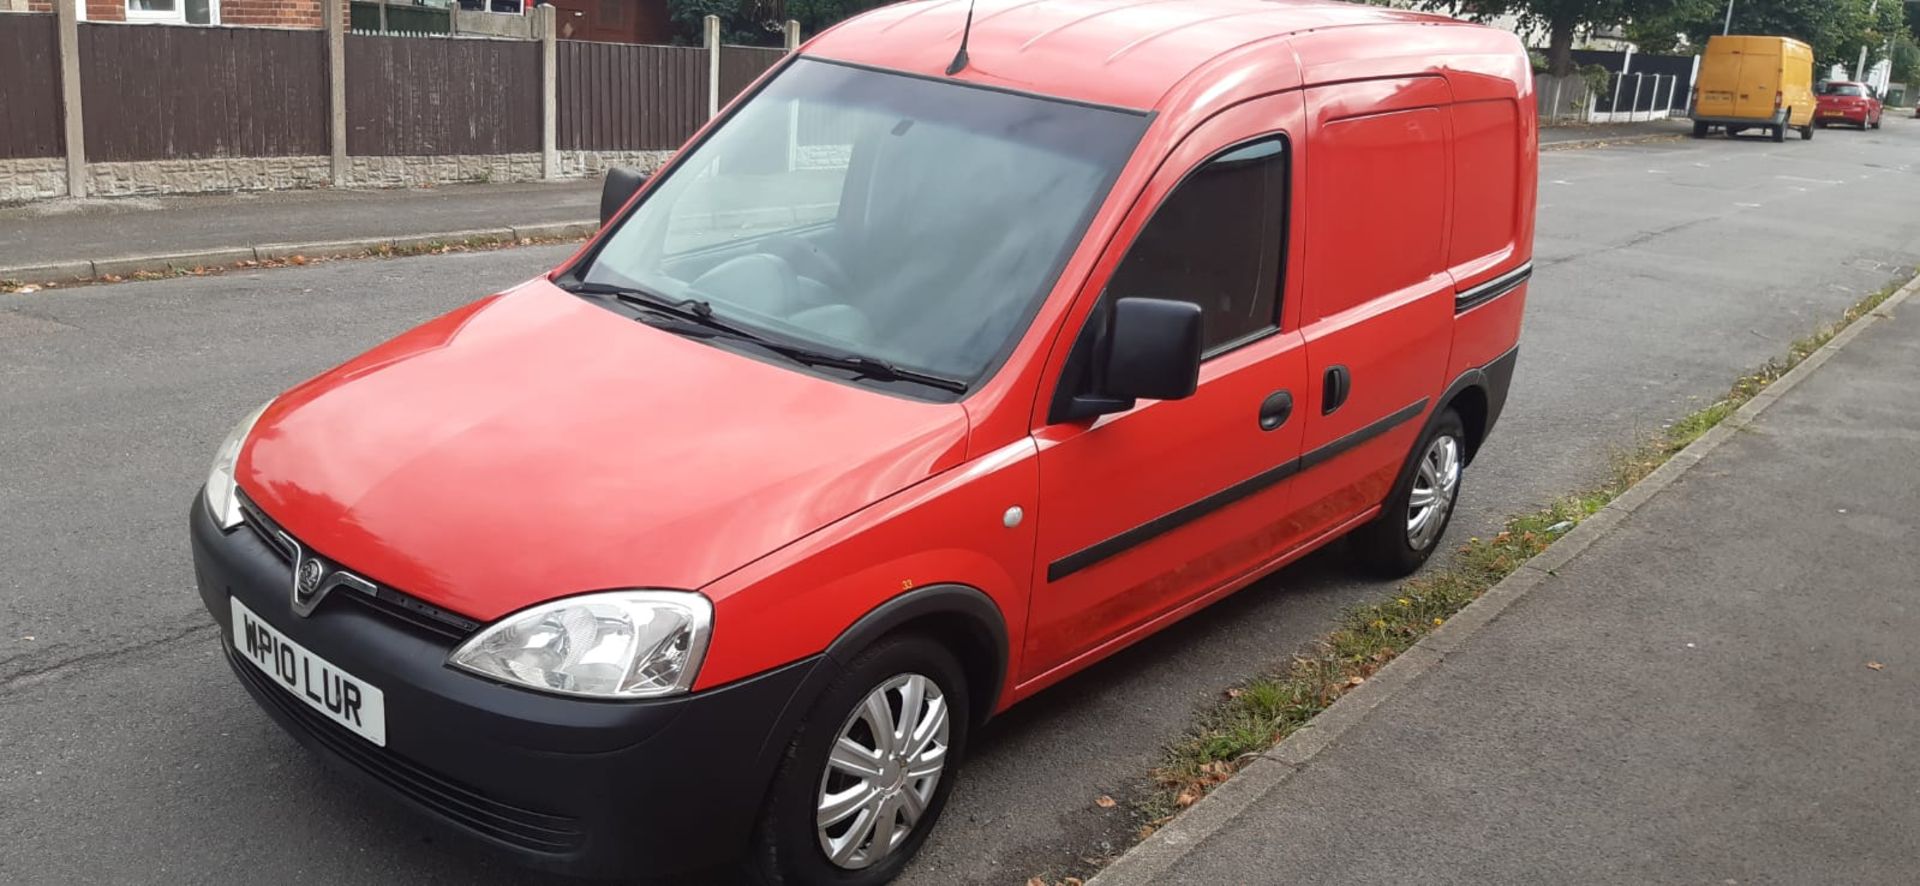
(68, 239)
(1718, 689)
(129, 755)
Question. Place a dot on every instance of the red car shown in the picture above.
(949, 360)
(1846, 102)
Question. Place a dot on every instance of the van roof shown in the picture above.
(1129, 53)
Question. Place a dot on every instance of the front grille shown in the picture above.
(408, 610)
(524, 828)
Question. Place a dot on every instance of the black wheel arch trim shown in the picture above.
(1493, 380)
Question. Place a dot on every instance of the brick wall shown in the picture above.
(271, 13)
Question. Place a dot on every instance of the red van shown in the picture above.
(949, 360)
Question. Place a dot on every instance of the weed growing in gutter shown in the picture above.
(1259, 713)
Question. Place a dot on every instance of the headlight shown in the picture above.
(223, 497)
(616, 644)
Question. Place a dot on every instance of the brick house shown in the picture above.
(616, 21)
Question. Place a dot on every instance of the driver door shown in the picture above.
(1144, 514)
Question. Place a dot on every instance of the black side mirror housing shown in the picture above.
(1151, 351)
(621, 184)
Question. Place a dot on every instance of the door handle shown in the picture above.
(1334, 388)
(1275, 409)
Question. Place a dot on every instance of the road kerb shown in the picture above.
(81, 271)
(1144, 863)
(1579, 144)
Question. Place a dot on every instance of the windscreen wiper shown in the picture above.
(698, 318)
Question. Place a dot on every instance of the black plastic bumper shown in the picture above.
(637, 788)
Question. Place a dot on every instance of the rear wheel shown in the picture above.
(1806, 133)
(1699, 129)
(1779, 133)
(1411, 523)
(869, 771)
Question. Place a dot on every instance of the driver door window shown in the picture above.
(1215, 242)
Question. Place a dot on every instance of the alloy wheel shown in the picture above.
(882, 771)
(1434, 486)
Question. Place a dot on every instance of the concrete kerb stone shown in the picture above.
(181, 261)
(81, 271)
(59, 272)
(555, 229)
(1145, 862)
(1579, 144)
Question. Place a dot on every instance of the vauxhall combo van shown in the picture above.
(966, 348)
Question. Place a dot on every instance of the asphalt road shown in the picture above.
(129, 755)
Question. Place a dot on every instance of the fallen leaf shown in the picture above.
(1146, 830)
(1236, 692)
(298, 260)
(1876, 665)
(1187, 798)
(1356, 680)
(1073, 881)
(1036, 881)
(1104, 802)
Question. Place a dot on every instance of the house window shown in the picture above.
(174, 12)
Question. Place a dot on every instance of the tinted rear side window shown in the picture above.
(1216, 241)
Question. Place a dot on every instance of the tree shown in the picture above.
(1836, 29)
(1561, 19)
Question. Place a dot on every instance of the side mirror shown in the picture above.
(1155, 350)
(621, 184)
(1151, 351)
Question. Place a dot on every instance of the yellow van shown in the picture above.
(1755, 83)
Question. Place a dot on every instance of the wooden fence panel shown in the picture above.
(739, 65)
(628, 97)
(412, 96)
(30, 87)
(156, 92)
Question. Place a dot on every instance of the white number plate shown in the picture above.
(342, 697)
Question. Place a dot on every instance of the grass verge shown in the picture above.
(1257, 714)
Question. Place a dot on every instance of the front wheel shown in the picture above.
(869, 771)
(1410, 524)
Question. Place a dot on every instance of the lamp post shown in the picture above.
(1860, 70)
(1726, 27)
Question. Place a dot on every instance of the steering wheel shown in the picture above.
(808, 261)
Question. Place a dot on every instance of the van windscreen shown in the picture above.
(912, 220)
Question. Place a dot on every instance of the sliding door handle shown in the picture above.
(1334, 388)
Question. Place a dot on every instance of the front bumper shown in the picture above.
(595, 788)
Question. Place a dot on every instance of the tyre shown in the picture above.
(1806, 133)
(869, 771)
(1876, 122)
(1699, 129)
(1778, 133)
(1417, 513)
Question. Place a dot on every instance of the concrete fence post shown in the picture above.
(67, 21)
(334, 14)
(711, 38)
(793, 35)
(545, 23)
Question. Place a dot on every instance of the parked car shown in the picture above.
(947, 361)
(1848, 102)
(1748, 82)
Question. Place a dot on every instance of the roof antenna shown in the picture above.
(959, 62)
